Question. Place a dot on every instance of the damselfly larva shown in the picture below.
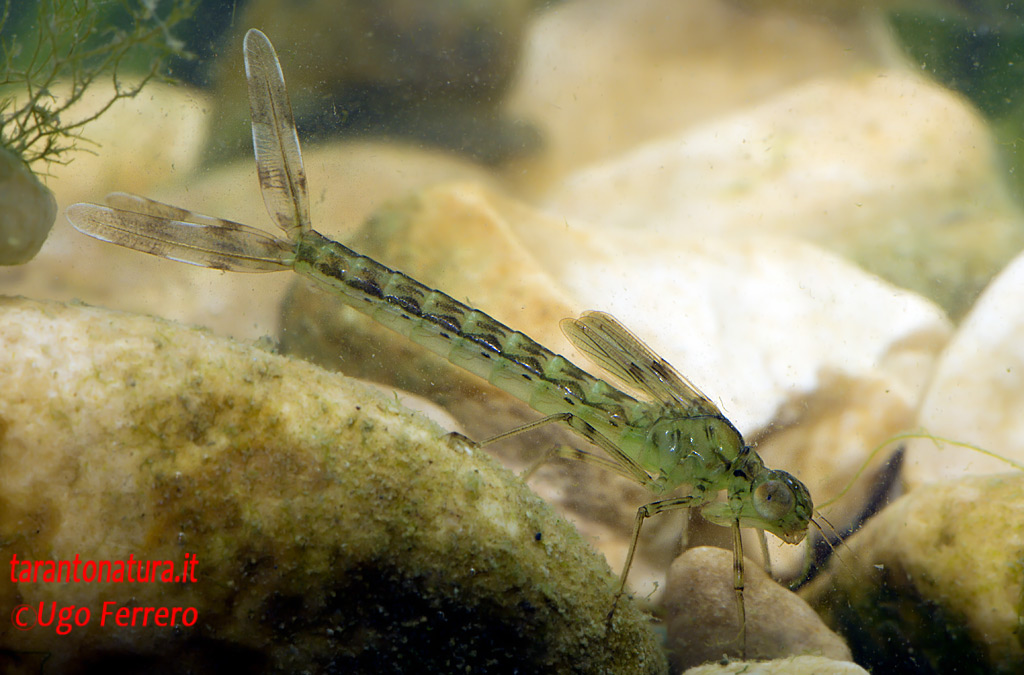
(677, 437)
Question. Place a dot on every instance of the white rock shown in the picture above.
(824, 157)
(978, 389)
(601, 76)
(140, 142)
(752, 321)
(885, 169)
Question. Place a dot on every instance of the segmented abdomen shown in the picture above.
(468, 338)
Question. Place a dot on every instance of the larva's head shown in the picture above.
(773, 501)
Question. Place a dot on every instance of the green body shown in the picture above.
(673, 446)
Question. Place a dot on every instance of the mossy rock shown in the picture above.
(333, 530)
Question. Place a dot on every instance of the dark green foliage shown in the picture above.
(54, 50)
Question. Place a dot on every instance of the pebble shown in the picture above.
(703, 618)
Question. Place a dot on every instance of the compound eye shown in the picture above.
(773, 499)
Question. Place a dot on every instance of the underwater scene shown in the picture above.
(511, 336)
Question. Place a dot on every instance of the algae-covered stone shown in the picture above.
(933, 583)
(27, 211)
(332, 530)
(703, 617)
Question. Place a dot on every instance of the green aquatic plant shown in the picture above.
(51, 53)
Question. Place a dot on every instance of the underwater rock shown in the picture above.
(142, 142)
(796, 665)
(703, 617)
(933, 583)
(27, 211)
(977, 391)
(330, 528)
(720, 117)
(895, 174)
(754, 321)
(601, 77)
(433, 73)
